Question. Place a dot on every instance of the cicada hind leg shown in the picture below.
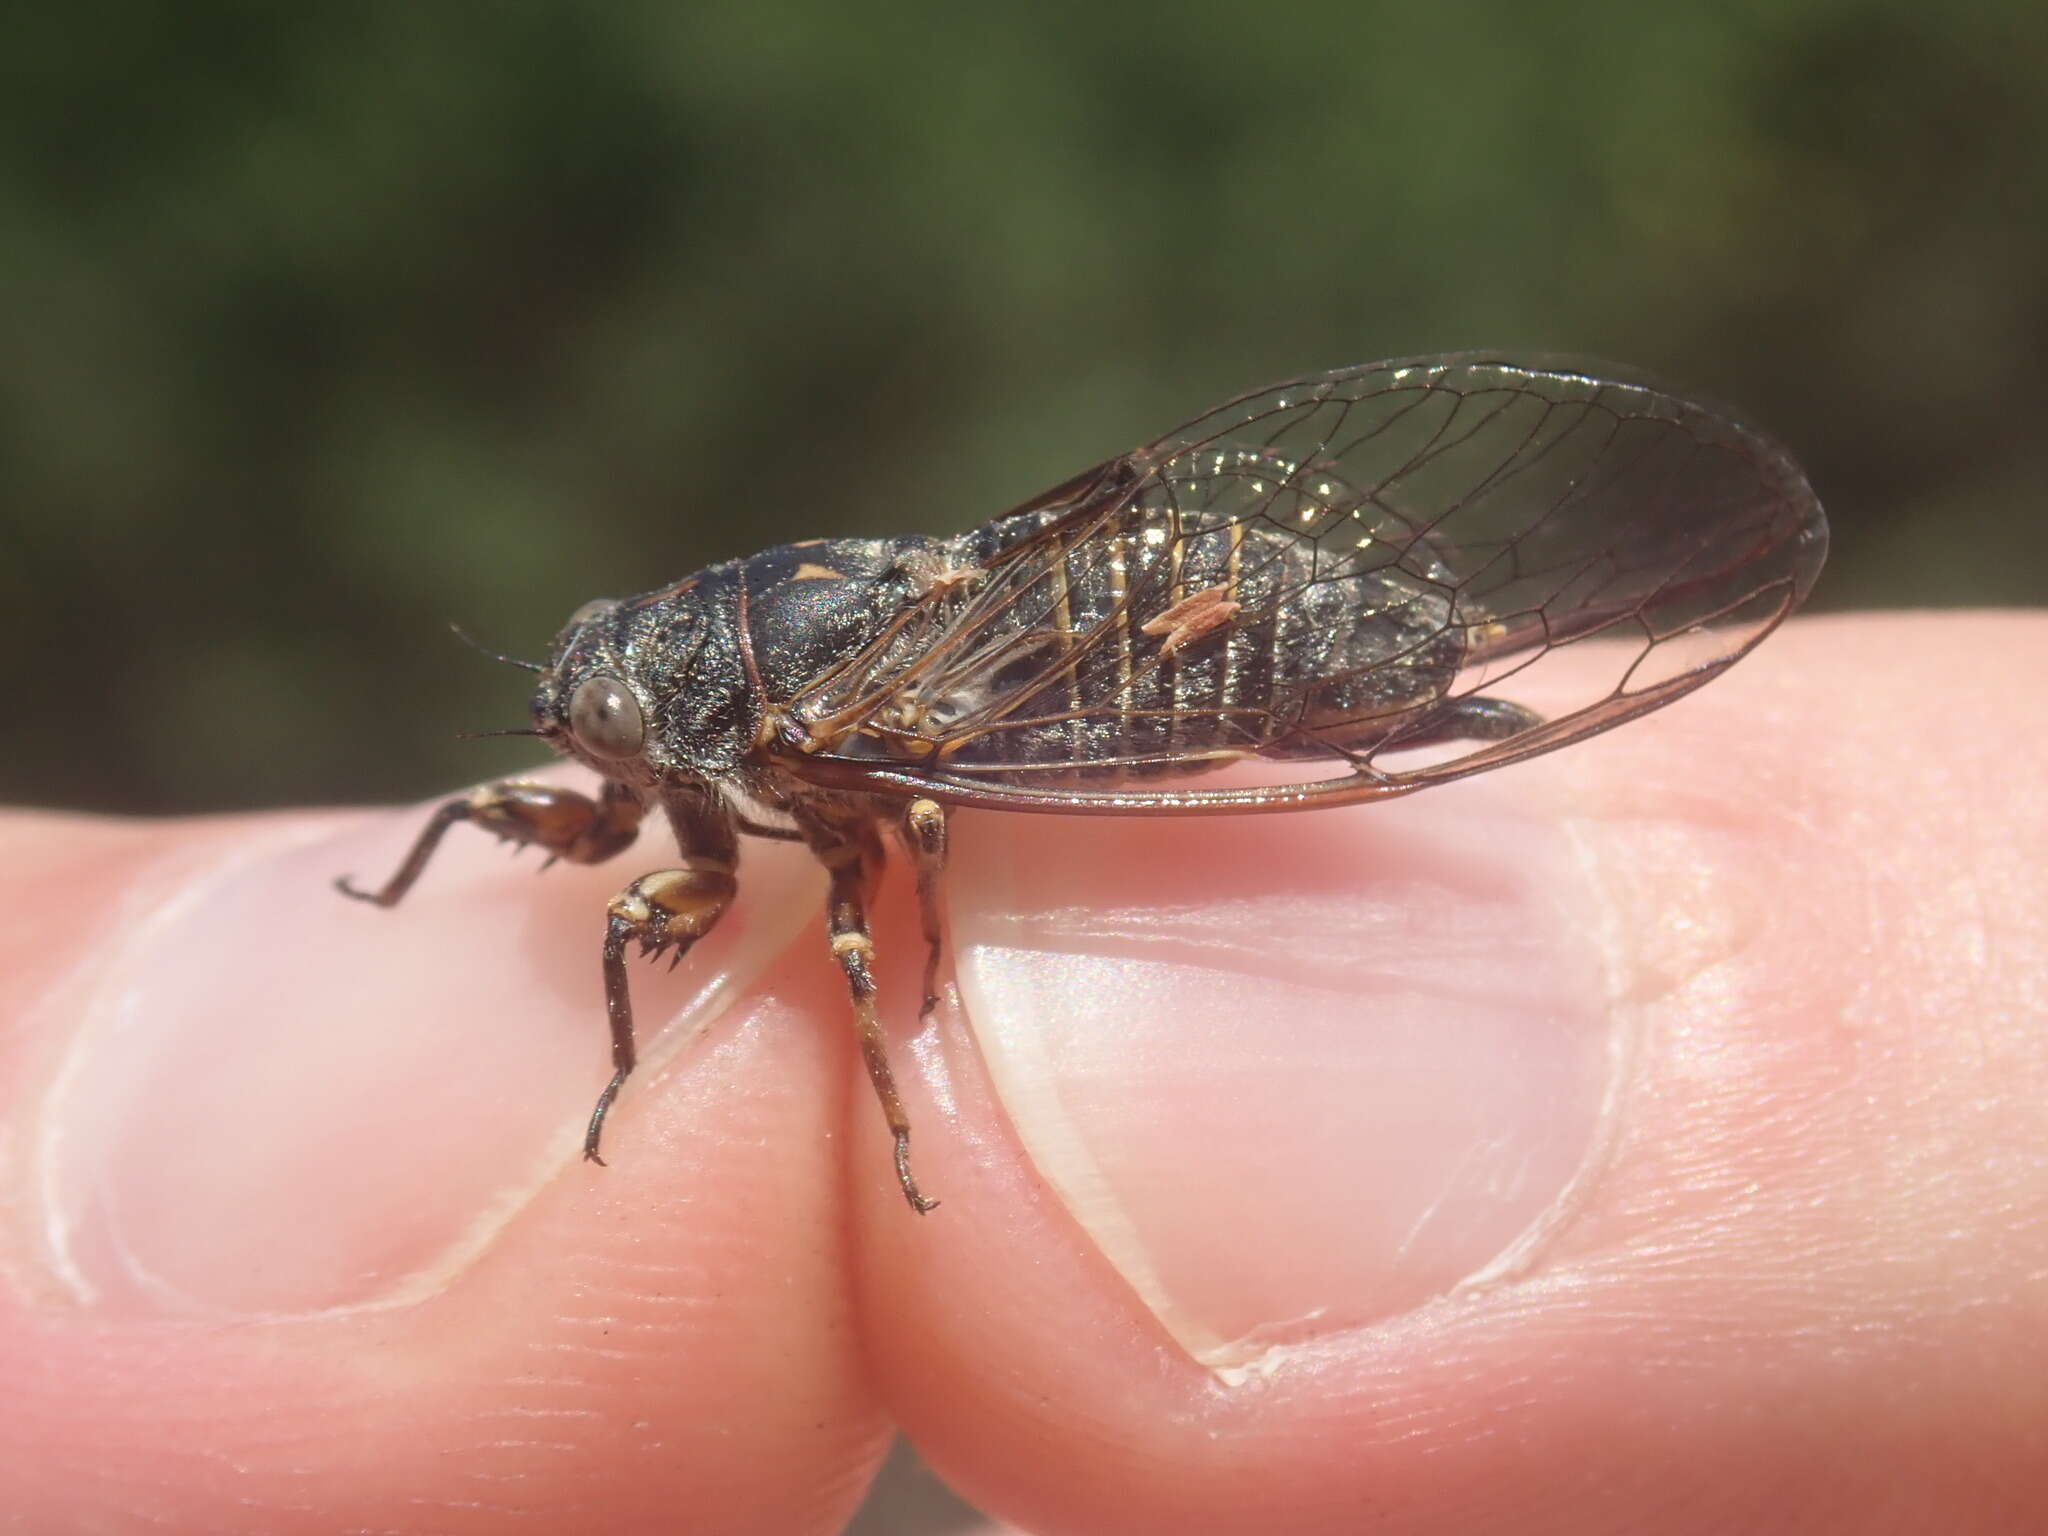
(924, 833)
(1473, 719)
(849, 844)
(1476, 719)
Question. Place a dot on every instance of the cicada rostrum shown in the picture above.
(1360, 583)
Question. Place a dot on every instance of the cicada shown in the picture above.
(1352, 585)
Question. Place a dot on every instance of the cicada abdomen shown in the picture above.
(1348, 567)
(1181, 628)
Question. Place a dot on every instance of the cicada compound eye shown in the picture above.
(605, 718)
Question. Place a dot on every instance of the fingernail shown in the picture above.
(280, 1102)
(1293, 1075)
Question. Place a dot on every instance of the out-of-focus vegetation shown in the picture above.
(325, 324)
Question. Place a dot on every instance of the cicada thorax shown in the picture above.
(811, 606)
(829, 619)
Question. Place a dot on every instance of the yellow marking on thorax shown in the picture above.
(810, 572)
(953, 579)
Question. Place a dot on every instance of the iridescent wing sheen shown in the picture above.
(1386, 576)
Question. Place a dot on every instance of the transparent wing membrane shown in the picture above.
(1385, 576)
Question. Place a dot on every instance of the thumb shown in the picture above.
(296, 1234)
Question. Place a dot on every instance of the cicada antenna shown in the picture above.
(477, 645)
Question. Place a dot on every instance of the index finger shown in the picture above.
(1646, 1138)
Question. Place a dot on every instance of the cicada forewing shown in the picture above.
(1387, 576)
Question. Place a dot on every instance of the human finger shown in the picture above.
(298, 1238)
(1647, 1137)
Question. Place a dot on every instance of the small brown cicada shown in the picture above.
(1367, 581)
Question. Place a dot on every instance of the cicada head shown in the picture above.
(649, 688)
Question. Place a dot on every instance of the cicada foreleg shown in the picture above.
(669, 910)
(852, 855)
(568, 825)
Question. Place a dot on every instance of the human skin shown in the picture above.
(293, 1236)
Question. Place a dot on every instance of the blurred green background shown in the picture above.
(327, 324)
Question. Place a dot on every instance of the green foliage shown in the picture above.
(327, 323)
